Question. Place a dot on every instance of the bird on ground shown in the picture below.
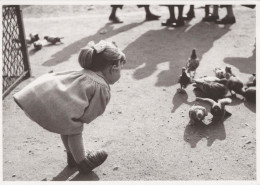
(220, 73)
(253, 82)
(184, 80)
(192, 64)
(39, 44)
(233, 83)
(213, 87)
(197, 113)
(217, 107)
(53, 40)
(32, 38)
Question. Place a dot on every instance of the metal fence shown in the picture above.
(14, 50)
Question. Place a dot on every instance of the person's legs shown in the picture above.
(172, 18)
(113, 16)
(76, 146)
(229, 18)
(180, 21)
(86, 163)
(149, 15)
(190, 14)
(213, 17)
(70, 160)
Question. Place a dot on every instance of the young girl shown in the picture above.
(62, 102)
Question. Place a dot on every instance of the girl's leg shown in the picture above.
(64, 139)
(76, 146)
(70, 160)
(85, 163)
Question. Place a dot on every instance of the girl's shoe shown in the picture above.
(92, 160)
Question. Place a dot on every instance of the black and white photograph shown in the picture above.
(141, 91)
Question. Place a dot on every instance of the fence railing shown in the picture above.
(14, 49)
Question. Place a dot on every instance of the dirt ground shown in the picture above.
(145, 128)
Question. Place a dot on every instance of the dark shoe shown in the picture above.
(179, 23)
(173, 23)
(211, 18)
(92, 160)
(168, 22)
(70, 160)
(152, 17)
(227, 20)
(115, 19)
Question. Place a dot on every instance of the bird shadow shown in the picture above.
(211, 132)
(64, 54)
(178, 99)
(68, 172)
(33, 51)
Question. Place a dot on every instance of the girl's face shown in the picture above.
(114, 72)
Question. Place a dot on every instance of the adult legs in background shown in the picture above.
(113, 18)
(213, 17)
(229, 18)
(190, 14)
(149, 15)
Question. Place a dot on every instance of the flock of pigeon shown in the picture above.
(214, 89)
(37, 43)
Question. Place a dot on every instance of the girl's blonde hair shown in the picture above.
(98, 56)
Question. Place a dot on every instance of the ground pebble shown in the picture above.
(13, 175)
(115, 168)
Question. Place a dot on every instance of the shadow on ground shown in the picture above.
(67, 172)
(211, 132)
(245, 65)
(172, 46)
(75, 47)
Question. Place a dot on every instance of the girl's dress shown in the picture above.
(63, 102)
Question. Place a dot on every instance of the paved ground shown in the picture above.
(145, 128)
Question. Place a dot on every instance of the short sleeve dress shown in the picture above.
(63, 102)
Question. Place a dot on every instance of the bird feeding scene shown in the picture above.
(106, 92)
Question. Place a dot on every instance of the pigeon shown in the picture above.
(197, 113)
(253, 83)
(53, 40)
(192, 64)
(213, 87)
(220, 73)
(233, 83)
(184, 80)
(217, 107)
(38, 44)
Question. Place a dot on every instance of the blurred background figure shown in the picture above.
(229, 18)
(172, 21)
(214, 17)
(149, 15)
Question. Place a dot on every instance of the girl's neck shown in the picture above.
(101, 74)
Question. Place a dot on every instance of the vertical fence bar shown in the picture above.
(23, 43)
